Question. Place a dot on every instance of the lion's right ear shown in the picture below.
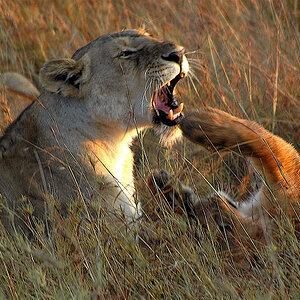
(65, 75)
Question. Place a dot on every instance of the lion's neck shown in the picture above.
(111, 156)
(103, 145)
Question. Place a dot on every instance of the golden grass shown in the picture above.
(245, 59)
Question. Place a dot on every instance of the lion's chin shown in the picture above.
(168, 135)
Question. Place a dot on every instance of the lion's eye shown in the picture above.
(127, 53)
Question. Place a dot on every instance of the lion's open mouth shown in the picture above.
(165, 105)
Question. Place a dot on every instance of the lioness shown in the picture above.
(246, 223)
(73, 141)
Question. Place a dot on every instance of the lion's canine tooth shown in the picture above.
(170, 115)
(176, 116)
(179, 109)
(169, 83)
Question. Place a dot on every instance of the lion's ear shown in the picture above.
(65, 75)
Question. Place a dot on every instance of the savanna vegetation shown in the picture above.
(245, 59)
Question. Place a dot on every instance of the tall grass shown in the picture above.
(245, 59)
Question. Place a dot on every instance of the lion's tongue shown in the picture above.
(160, 99)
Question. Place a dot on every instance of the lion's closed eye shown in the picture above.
(127, 53)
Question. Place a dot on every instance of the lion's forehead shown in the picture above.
(132, 39)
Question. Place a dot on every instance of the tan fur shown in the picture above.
(73, 142)
(243, 227)
(16, 92)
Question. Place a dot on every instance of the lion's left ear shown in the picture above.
(65, 75)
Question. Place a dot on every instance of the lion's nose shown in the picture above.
(176, 56)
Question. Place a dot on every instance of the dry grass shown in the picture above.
(245, 59)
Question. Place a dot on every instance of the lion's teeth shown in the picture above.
(179, 109)
(170, 115)
(176, 116)
(169, 83)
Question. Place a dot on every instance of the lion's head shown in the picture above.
(122, 75)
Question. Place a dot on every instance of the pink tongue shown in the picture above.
(159, 98)
(159, 102)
